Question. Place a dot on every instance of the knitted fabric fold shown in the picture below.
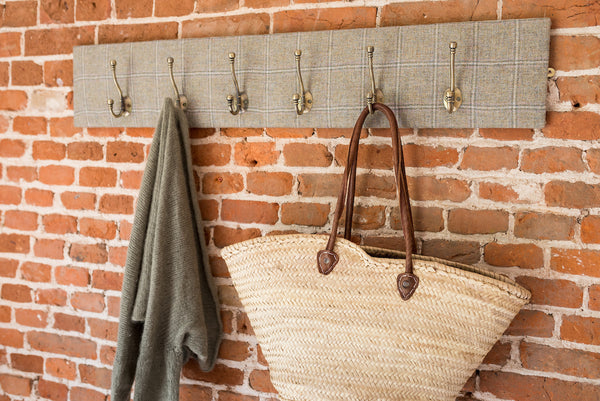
(169, 308)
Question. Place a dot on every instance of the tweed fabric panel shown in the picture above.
(501, 69)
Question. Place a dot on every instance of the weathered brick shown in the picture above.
(21, 220)
(260, 380)
(103, 329)
(459, 251)
(233, 25)
(15, 385)
(575, 261)
(59, 224)
(107, 280)
(590, 229)
(465, 221)
(51, 296)
(118, 204)
(11, 338)
(566, 361)
(65, 322)
(490, 158)
(57, 40)
(255, 154)
(564, 14)
(62, 368)
(137, 9)
(90, 253)
(594, 302)
(63, 127)
(39, 197)
(58, 73)
(26, 73)
(552, 160)
(324, 19)
(189, 392)
(61, 344)
(97, 228)
(174, 8)
(525, 256)
(267, 183)
(307, 214)
(432, 188)
(211, 154)
(78, 200)
(53, 391)
(96, 10)
(579, 90)
(8, 267)
(581, 125)
(48, 150)
(85, 151)
(131, 179)
(18, 173)
(85, 394)
(31, 318)
(36, 272)
(62, 11)
(124, 152)
(579, 329)
(544, 226)
(369, 156)
(499, 354)
(27, 363)
(531, 323)
(137, 32)
(249, 211)
(220, 374)
(575, 195)
(14, 243)
(222, 183)
(593, 159)
(16, 292)
(424, 219)
(433, 12)
(10, 44)
(56, 175)
(367, 217)
(507, 134)
(497, 192)
(19, 13)
(224, 236)
(576, 52)
(98, 177)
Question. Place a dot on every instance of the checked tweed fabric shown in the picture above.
(501, 69)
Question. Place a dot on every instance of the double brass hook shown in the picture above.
(180, 100)
(239, 102)
(453, 95)
(375, 95)
(302, 101)
(126, 103)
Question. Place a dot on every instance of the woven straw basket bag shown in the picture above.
(337, 321)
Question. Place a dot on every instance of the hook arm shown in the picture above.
(238, 103)
(126, 104)
(180, 100)
(376, 95)
(303, 100)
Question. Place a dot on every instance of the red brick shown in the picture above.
(52, 296)
(124, 152)
(324, 19)
(39, 197)
(14, 243)
(98, 177)
(104, 330)
(288, 132)
(63, 127)
(249, 211)
(136, 9)
(19, 13)
(319, 184)
(62, 368)
(85, 151)
(105, 132)
(188, 392)
(255, 154)
(490, 158)
(78, 200)
(125, 230)
(424, 219)
(211, 154)
(13, 100)
(369, 156)
(503, 134)
(90, 253)
(273, 184)
(566, 361)
(331, 133)
(434, 13)
(15, 385)
(499, 354)
(432, 188)
(575, 261)
(4, 78)
(575, 195)
(10, 44)
(222, 183)
(579, 90)
(58, 73)
(531, 323)
(31, 318)
(466, 252)
(18, 173)
(137, 32)
(26, 73)
(48, 150)
(97, 228)
(594, 302)
(27, 363)
(10, 195)
(57, 175)
(577, 52)
(465, 221)
(59, 224)
(590, 229)
(57, 41)
(30, 125)
(91, 302)
(552, 160)
(11, 338)
(107, 354)
(497, 192)
(231, 396)
(525, 256)
(8, 267)
(593, 159)
(117, 255)
(209, 209)
(53, 391)
(21, 220)
(512, 386)
(429, 156)
(66, 322)
(61, 11)
(61, 344)
(566, 14)
(118, 204)
(36, 272)
(367, 217)
(16, 293)
(172, 8)
(220, 374)
(224, 236)
(580, 329)
(544, 226)
(260, 380)
(307, 214)
(85, 394)
(131, 179)
(106, 280)
(96, 10)
(199, 133)
(232, 25)
(114, 306)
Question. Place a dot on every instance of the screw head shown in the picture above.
(405, 284)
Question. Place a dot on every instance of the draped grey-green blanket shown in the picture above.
(169, 309)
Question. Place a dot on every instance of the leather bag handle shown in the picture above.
(407, 282)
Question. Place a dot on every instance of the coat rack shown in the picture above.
(458, 75)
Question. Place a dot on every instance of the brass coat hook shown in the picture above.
(126, 103)
(302, 101)
(453, 95)
(239, 102)
(375, 95)
(180, 100)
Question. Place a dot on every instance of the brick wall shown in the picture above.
(523, 202)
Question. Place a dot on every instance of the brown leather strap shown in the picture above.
(327, 258)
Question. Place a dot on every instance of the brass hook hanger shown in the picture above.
(180, 100)
(126, 103)
(376, 94)
(239, 102)
(302, 101)
(453, 95)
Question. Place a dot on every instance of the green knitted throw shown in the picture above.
(169, 309)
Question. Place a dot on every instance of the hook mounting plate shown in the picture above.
(452, 105)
